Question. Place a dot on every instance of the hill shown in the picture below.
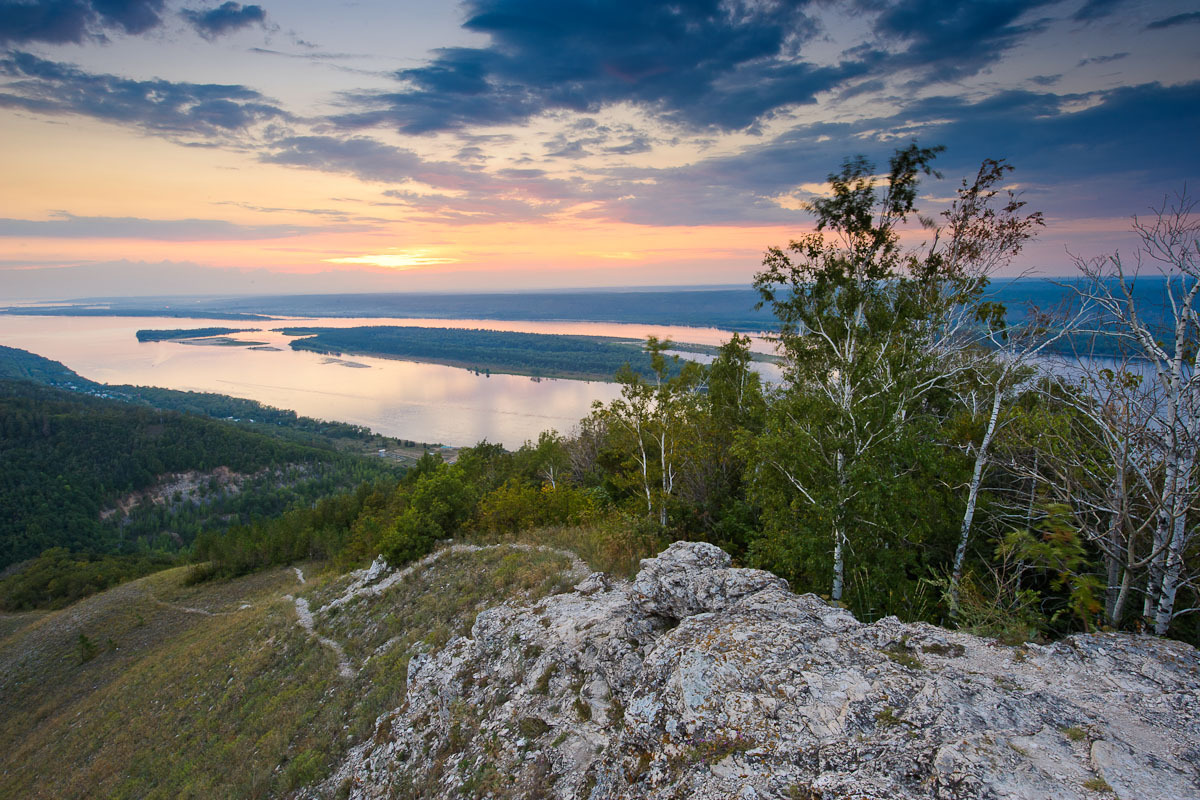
(480, 672)
(99, 475)
(22, 365)
(157, 689)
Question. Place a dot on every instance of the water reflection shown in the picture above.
(424, 402)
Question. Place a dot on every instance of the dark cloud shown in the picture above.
(204, 110)
(1095, 9)
(361, 156)
(73, 21)
(948, 41)
(696, 62)
(1102, 59)
(1178, 19)
(1148, 144)
(225, 18)
(132, 16)
(638, 144)
(69, 226)
(701, 64)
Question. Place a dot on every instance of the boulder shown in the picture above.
(691, 578)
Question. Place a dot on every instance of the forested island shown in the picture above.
(147, 335)
(534, 354)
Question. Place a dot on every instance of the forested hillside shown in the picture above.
(65, 457)
(23, 365)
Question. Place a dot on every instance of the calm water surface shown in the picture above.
(425, 402)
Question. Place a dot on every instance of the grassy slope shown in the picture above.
(239, 703)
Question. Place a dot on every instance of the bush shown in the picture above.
(413, 535)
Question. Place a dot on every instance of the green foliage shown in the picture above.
(85, 649)
(57, 578)
(1059, 555)
(413, 535)
(517, 506)
(64, 457)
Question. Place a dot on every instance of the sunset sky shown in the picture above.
(156, 147)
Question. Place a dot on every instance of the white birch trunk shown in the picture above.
(982, 456)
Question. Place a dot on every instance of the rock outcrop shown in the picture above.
(702, 681)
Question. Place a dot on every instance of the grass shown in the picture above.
(1075, 733)
(614, 547)
(899, 652)
(711, 750)
(239, 702)
(887, 716)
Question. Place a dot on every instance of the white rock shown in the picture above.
(703, 681)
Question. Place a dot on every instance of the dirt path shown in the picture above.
(368, 582)
(305, 617)
(378, 578)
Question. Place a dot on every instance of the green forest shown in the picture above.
(66, 457)
(22, 365)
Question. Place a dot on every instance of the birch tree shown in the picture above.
(848, 310)
(1148, 303)
(1084, 445)
(984, 229)
(653, 414)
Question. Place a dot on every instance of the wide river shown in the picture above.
(423, 402)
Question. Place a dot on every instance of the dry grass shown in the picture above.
(616, 548)
(239, 703)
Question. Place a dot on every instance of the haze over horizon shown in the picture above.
(154, 147)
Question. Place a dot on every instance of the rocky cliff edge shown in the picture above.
(698, 680)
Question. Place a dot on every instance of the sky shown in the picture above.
(154, 147)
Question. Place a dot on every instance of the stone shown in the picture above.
(703, 681)
(691, 578)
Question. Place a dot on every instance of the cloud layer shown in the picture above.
(197, 109)
(73, 21)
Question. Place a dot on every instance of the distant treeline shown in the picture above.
(23, 365)
(538, 354)
(727, 308)
(118, 310)
(58, 578)
(187, 333)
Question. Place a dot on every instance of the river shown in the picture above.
(423, 402)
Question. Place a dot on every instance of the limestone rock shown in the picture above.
(693, 578)
(702, 681)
